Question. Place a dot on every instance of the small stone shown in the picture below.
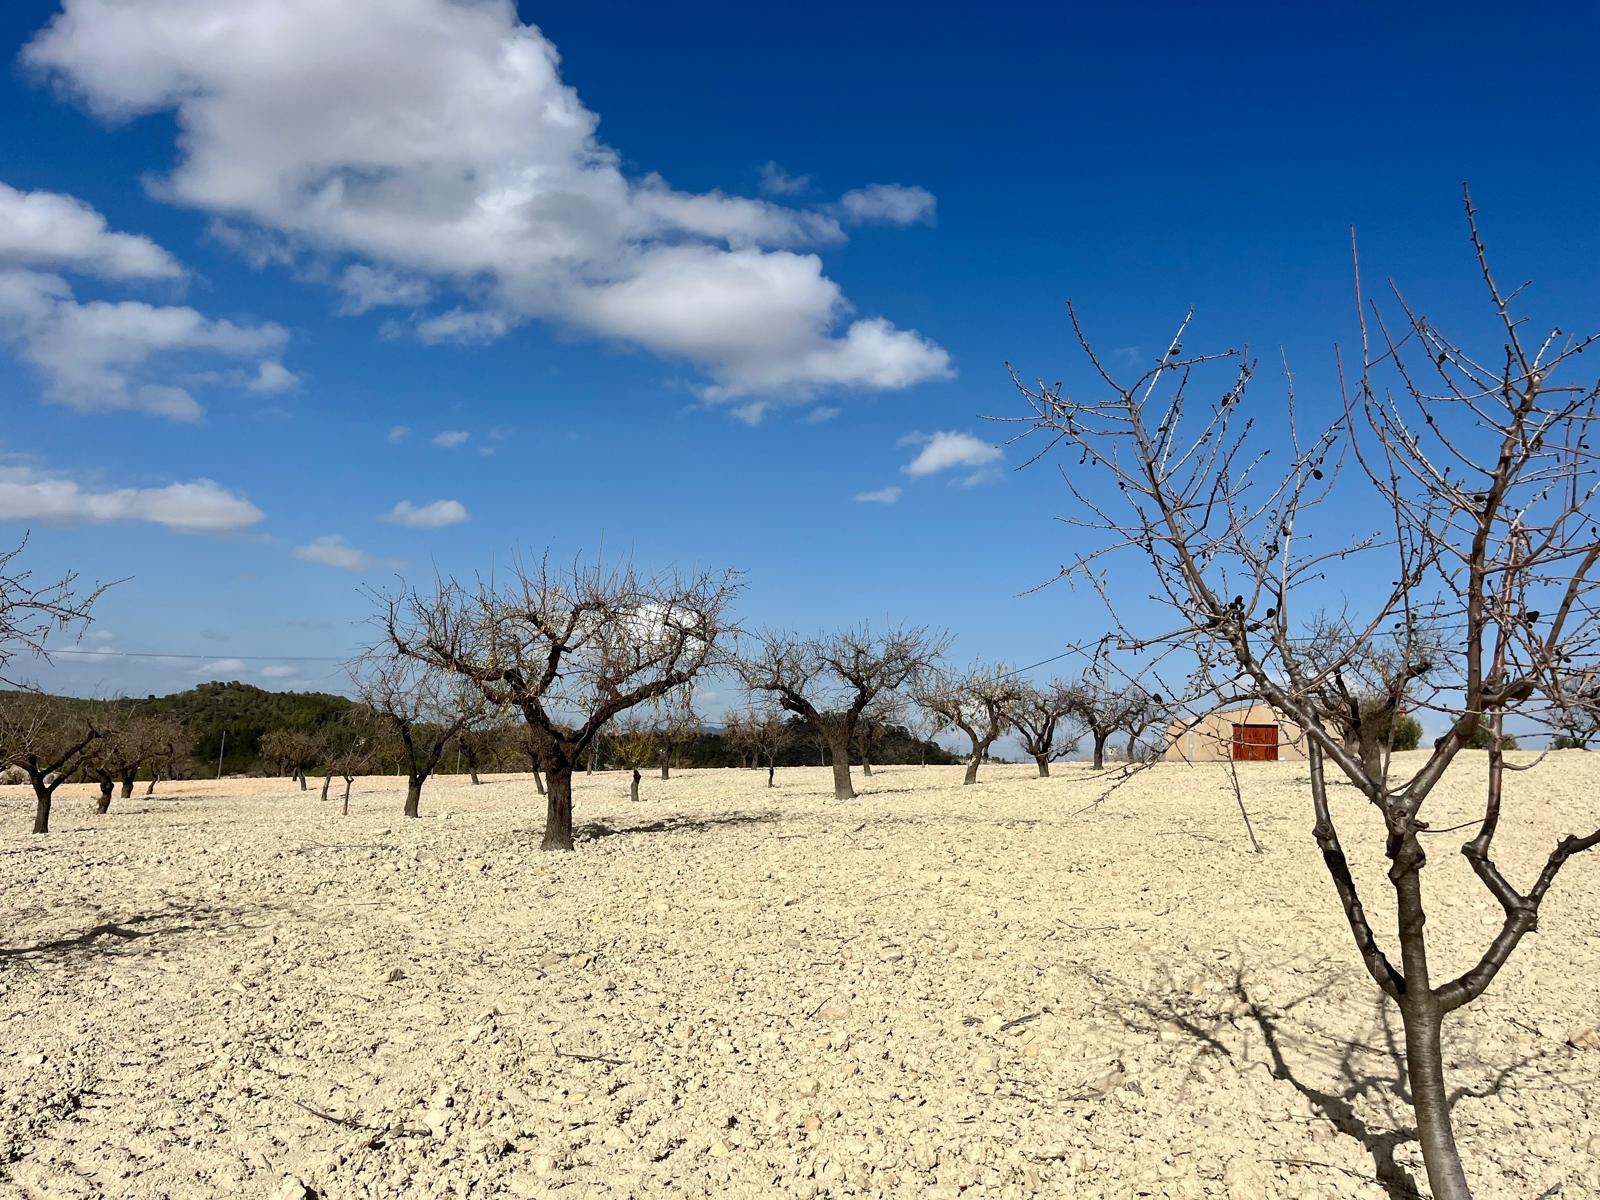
(33, 1060)
(809, 1086)
(394, 975)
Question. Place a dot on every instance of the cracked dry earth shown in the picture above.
(229, 989)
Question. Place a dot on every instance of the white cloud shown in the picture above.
(220, 666)
(279, 671)
(367, 287)
(435, 141)
(399, 433)
(197, 507)
(886, 495)
(62, 233)
(887, 203)
(775, 181)
(273, 377)
(331, 551)
(428, 516)
(94, 356)
(451, 438)
(946, 450)
(821, 414)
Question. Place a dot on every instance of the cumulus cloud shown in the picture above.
(62, 233)
(887, 204)
(95, 356)
(949, 450)
(200, 506)
(435, 141)
(451, 438)
(886, 495)
(427, 516)
(331, 551)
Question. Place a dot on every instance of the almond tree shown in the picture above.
(829, 681)
(977, 702)
(1102, 710)
(886, 709)
(30, 611)
(676, 724)
(569, 649)
(1473, 476)
(1037, 714)
(482, 738)
(48, 741)
(293, 751)
(423, 708)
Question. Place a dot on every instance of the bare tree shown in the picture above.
(571, 650)
(30, 612)
(676, 724)
(1482, 478)
(1102, 709)
(48, 741)
(1366, 681)
(293, 752)
(1037, 714)
(829, 681)
(423, 707)
(886, 709)
(635, 742)
(482, 738)
(977, 702)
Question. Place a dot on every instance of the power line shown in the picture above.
(219, 657)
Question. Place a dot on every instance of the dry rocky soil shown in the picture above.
(1008, 990)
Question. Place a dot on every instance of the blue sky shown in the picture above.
(774, 253)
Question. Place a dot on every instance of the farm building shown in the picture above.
(1252, 733)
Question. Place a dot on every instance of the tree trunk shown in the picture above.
(538, 783)
(127, 784)
(594, 757)
(103, 805)
(558, 808)
(472, 773)
(347, 782)
(1100, 750)
(1133, 745)
(1420, 1014)
(633, 788)
(326, 780)
(1044, 765)
(866, 763)
(301, 775)
(772, 770)
(972, 768)
(150, 790)
(414, 797)
(42, 795)
(843, 789)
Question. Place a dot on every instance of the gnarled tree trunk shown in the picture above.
(1044, 765)
(150, 788)
(127, 784)
(326, 780)
(633, 788)
(42, 795)
(414, 797)
(1100, 750)
(843, 788)
(103, 805)
(558, 808)
(772, 770)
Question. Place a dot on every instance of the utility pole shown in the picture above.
(221, 751)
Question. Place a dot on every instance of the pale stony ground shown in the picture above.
(231, 990)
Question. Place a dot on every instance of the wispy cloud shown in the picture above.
(451, 438)
(427, 516)
(332, 551)
(775, 181)
(821, 413)
(888, 495)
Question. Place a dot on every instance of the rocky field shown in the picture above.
(229, 989)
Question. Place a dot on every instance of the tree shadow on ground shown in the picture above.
(596, 830)
(1360, 1069)
(147, 933)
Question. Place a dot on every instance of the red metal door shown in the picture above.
(1255, 743)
